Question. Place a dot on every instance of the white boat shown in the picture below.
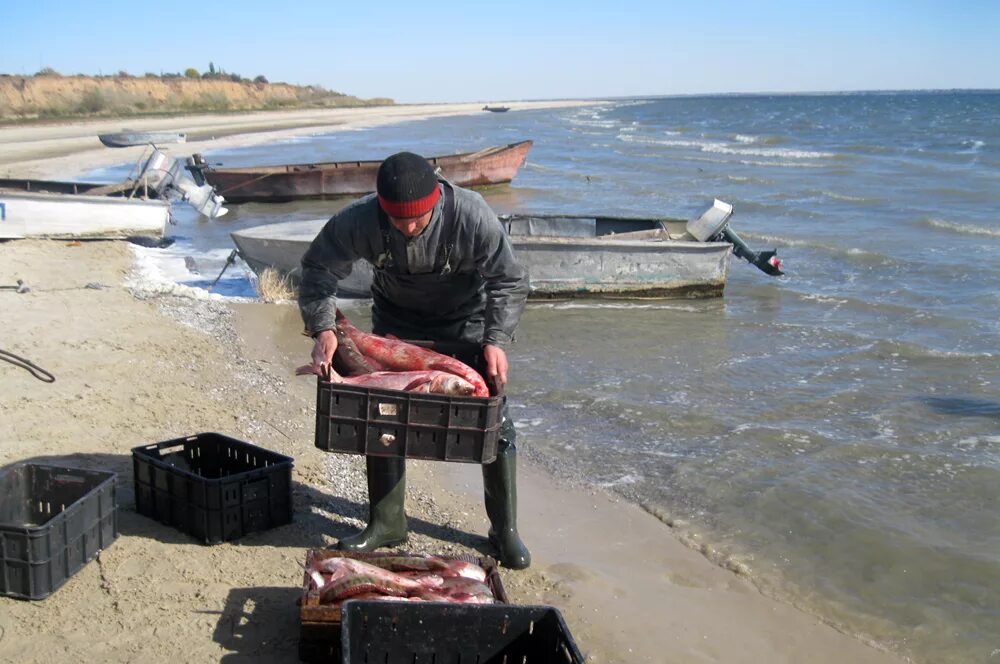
(566, 256)
(125, 139)
(40, 214)
(36, 208)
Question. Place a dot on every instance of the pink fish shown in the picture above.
(434, 382)
(341, 577)
(396, 355)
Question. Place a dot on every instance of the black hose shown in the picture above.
(29, 366)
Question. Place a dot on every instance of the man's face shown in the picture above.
(411, 226)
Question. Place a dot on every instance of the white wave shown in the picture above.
(774, 152)
(973, 147)
(611, 305)
(845, 197)
(744, 138)
(785, 164)
(968, 229)
(622, 481)
(825, 299)
(724, 148)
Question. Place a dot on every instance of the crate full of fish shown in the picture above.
(53, 521)
(390, 397)
(404, 632)
(333, 577)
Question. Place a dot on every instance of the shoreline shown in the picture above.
(60, 151)
(153, 368)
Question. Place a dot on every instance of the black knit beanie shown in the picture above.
(406, 185)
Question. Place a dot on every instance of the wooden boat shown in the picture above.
(272, 184)
(496, 109)
(566, 256)
(125, 139)
(61, 215)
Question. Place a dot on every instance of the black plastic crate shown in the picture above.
(213, 487)
(406, 633)
(320, 624)
(53, 521)
(377, 422)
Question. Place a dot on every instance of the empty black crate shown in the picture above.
(53, 521)
(213, 487)
(405, 633)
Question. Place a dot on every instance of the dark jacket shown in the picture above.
(461, 270)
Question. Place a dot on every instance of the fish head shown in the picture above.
(451, 385)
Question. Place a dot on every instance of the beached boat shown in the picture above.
(272, 184)
(496, 109)
(566, 256)
(40, 214)
(68, 187)
(125, 139)
(47, 208)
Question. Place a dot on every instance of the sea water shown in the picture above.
(835, 433)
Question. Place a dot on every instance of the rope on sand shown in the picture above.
(29, 366)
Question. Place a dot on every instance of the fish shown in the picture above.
(418, 563)
(461, 590)
(433, 382)
(347, 361)
(396, 355)
(349, 577)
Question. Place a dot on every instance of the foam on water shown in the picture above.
(164, 271)
(965, 229)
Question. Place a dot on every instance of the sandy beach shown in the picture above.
(133, 367)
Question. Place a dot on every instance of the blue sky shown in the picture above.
(446, 51)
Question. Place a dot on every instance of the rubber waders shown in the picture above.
(500, 491)
(386, 511)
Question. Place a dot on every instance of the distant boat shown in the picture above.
(127, 139)
(496, 109)
(566, 256)
(275, 184)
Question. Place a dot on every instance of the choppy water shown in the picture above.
(835, 432)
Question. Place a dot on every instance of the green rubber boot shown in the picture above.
(386, 511)
(500, 492)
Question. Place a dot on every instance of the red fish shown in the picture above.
(346, 577)
(434, 382)
(396, 355)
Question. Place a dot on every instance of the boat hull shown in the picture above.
(129, 139)
(559, 267)
(274, 184)
(28, 215)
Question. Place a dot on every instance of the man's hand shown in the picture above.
(496, 363)
(322, 356)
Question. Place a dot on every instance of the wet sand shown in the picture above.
(134, 367)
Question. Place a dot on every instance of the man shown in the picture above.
(444, 270)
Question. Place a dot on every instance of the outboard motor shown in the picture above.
(196, 165)
(164, 175)
(713, 226)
